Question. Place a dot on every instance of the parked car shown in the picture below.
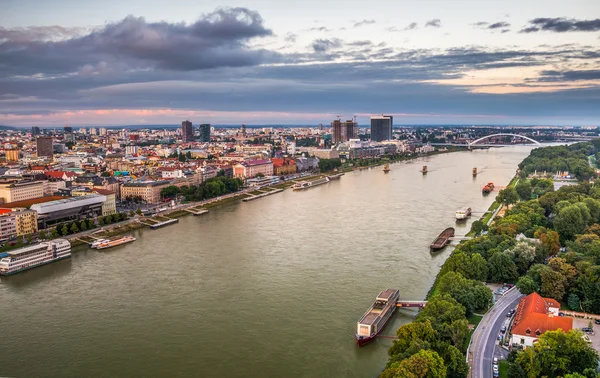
(597, 321)
(586, 329)
(495, 360)
(500, 336)
(503, 329)
(561, 314)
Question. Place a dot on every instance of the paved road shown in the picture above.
(485, 336)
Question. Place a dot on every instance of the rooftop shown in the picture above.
(29, 202)
(534, 318)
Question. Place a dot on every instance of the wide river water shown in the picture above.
(268, 288)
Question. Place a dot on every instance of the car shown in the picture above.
(495, 360)
(503, 329)
(597, 321)
(561, 314)
(500, 336)
(496, 374)
(495, 368)
(508, 314)
(586, 329)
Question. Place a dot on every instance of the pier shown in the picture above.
(413, 304)
(196, 212)
(164, 223)
(263, 194)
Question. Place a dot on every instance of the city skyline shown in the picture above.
(132, 63)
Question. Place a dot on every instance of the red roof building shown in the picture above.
(536, 315)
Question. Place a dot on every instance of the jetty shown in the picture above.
(196, 212)
(261, 195)
(164, 223)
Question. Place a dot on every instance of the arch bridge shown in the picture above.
(504, 134)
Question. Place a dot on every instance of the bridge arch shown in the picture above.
(504, 134)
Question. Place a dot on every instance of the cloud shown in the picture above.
(573, 75)
(290, 37)
(217, 39)
(323, 45)
(562, 25)
(363, 22)
(499, 25)
(39, 33)
(435, 23)
(319, 29)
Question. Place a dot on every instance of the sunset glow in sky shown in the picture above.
(274, 62)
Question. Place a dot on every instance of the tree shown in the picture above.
(515, 371)
(549, 239)
(105, 174)
(553, 284)
(409, 334)
(131, 213)
(64, 230)
(42, 235)
(473, 295)
(54, 233)
(508, 196)
(83, 226)
(570, 222)
(523, 256)
(502, 268)
(100, 221)
(524, 190)
(477, 227)
(138, 212)
(573, 301)
(424, 364)
(527, 285)
(74, 229)
(456, 366)
(90, 224)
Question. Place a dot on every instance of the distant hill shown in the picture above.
(2, 127)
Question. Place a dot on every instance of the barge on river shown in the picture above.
(443, 239)
(113, 243)
(309, 184)
(463, 214)
(376, 317)
(34, 255)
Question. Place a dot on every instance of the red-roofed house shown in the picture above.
(63, 175)
(536, 315)
(283, 166)
(251, 168)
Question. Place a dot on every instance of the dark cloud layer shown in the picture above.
(217, 39)
(561, 25)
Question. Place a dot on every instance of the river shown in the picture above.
(268, 288)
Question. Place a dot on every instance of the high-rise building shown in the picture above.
(343, 131)
(243, 129)
(381, 128)
(93, 131)
(205, 132)
(44, 146)
(187, 131)
(102, 131)
(35, 130)
(68, 129)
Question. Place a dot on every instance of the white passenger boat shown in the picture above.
(34, 255)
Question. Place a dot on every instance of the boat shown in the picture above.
(337, 176)
(96, 243)
(488, 188)
(377, 316)
(463, 214)
(424, 170)
(386, 168)
(34, 255)
(309, 184)
(443, 239)
(116, 242)
(474, 171)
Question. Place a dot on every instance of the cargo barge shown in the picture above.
(488, 188)
(377, 316)
(443, 239)
(34, 255)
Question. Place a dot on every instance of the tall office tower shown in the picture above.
(35, 130)
(343, 131)
(68, 129)
(187, 131)
(44, 146)
(381, 128)
(93, 131)
(102, 131)
(243, 129)
(205, 132)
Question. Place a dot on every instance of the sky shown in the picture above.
(137, 62)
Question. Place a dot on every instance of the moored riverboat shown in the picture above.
(386, 168)
(488, 188)
(377, 316)
(309, 184)
(113, 243)
(21, 259)
(463, 214)
(424, 170)
(442, 239)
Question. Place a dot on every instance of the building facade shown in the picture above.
(205, 132)
(21, 190)
(68, 209)
(251, 168)
(148, 191)
(187, 131)
(12, 155)
(26, 221)
(343, 131)
(8, 226)
(381, 128)
(44, 146)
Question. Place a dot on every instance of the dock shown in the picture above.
(413, 304)
(263, 194)
(196, 212)
(164, 223)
